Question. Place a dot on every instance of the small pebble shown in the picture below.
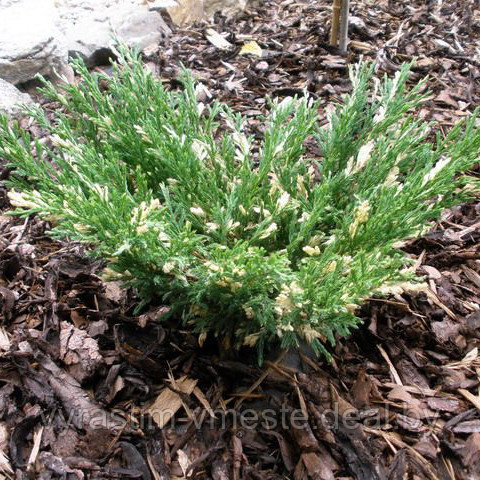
(261, 66)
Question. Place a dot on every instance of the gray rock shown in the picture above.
(11, 98)
(30, 42)
(90, 25)
(38, 36)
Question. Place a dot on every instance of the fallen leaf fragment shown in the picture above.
(251, 48)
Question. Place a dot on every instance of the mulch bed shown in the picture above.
(90, 390)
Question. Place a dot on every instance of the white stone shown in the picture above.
(11, 98)
(162, 4)
(38, 36)
(89, 26)
(30, 42)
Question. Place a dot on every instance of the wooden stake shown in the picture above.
(344, 13)
(337, 7)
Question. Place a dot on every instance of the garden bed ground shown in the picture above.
(79, 373)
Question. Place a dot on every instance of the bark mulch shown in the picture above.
(88, 390)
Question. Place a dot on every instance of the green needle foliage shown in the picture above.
(249, 240)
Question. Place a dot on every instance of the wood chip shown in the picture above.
(169, 402)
